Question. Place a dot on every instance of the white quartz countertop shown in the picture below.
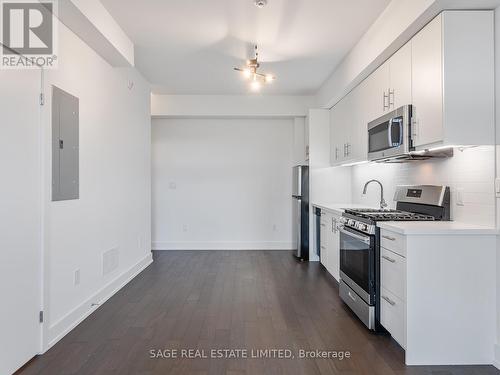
(436, 228)
(416, 227)
(339, 207)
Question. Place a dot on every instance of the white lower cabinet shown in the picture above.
(393, 272)
(393, 285)
(392, 315)
(438, 292)
(330, 243)
(323, 238)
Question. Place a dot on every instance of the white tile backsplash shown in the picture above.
(472, 170)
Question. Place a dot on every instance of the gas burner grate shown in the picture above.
(388, 215)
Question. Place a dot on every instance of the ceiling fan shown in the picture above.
(250, 73)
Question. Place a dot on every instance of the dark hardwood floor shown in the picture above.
(227, 300)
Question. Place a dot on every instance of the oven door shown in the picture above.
(357, 263)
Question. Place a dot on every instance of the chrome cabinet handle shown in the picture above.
(386, 96)
(324, 248)
(336, 153)
(389, 238)
(389, 259)
(323, 225)
(391, 92)
(389, 301)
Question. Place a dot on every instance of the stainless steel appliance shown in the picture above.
(360, 244)
(390, 139)
(300, 195)
(390, 135)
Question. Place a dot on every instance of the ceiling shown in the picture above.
(191, 46)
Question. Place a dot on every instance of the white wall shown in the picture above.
(472, 170)
(90, 20)
(114, 206)
(230, 105)
(222, 183)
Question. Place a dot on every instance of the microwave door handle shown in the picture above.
(389, 133)
(400, 122)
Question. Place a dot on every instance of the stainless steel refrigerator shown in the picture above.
(300, 197)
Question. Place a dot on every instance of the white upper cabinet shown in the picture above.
(427, 77)
(446, 72)
(453, 80)
(356, 136)
(338, 131)
(376, 87)
(388, 87)
(400, 81)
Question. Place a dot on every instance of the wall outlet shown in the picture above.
(76, 277)
(274, 228)
(460, 197)
(184, 228)
(497, 187)
(172, 186)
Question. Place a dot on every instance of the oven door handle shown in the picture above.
(363, 238)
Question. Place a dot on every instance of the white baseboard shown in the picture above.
(496, 362)
(195, 245)
(64, 325)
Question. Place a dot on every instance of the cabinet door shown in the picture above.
(334, 120)
(400, 77)
(335, 248)
(377, 87)
(427, 81)
(356, 129)
(337, 133)
(323, 238)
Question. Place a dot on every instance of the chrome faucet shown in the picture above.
(383, 204)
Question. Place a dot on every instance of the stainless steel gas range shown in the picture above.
(360, 244)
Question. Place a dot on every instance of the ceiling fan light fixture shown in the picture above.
(250, 72)
(269, 78)
(255, 85)
(247, 73)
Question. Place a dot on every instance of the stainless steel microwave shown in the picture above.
(389, 136)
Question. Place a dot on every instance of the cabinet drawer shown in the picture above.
(393, 273)
(393, 241)
(393, 316)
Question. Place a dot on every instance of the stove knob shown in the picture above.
(351, 223)
(363, 227)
